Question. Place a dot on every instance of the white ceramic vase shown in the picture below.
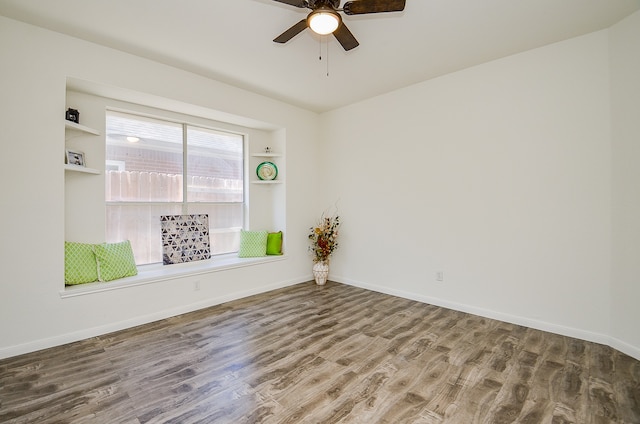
(321, 272)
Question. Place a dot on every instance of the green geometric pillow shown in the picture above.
(252, 244)
(79, 263)
(274, 243)
(115, 260)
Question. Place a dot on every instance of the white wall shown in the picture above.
(498, 175)
(35, 67)
(625, 95)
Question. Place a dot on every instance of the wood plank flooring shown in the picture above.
(332, 354)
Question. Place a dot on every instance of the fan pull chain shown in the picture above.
(327, 57)
(326, 40)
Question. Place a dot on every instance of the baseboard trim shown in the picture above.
(88, 333)
(625, 348)
(512, 319)
(36, 345)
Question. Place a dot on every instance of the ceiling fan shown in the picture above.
(324, 18)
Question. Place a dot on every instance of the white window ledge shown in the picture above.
(148, 274)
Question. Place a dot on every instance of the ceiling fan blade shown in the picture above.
(291, 32)
(359, 7)
(296, 3)
(345, 37)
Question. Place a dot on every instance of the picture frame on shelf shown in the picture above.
(74, 157)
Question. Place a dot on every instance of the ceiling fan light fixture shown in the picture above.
(324, 20)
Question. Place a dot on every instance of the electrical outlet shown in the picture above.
(196, 285)
(439, 276)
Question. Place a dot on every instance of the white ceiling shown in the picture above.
(231, 40)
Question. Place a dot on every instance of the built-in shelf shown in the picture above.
(77, 168)
(73, 126)
(266, 155)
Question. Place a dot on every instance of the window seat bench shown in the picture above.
(148, 274)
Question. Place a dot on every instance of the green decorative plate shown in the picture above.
(267, 171)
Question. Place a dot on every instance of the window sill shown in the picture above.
(148, 274)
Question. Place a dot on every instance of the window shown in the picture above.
(156, 167)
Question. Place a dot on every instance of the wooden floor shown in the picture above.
(332, 354)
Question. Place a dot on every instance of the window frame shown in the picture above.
(184, 203)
